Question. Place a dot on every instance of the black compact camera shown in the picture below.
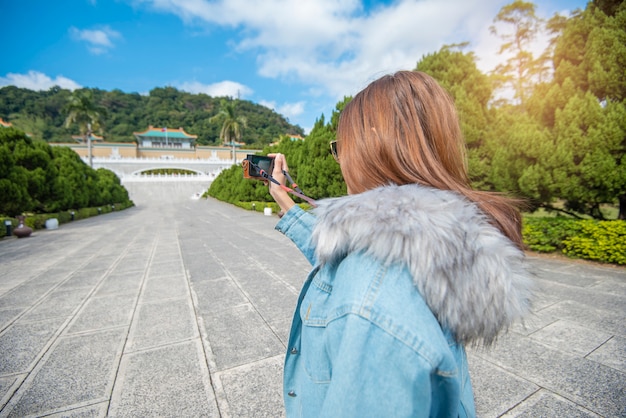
(253, 164)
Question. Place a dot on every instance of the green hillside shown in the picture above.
(42, 115)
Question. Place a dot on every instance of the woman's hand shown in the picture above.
(279, 194)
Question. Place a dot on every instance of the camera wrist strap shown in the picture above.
(296, 192)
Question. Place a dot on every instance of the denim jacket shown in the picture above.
(373, 334)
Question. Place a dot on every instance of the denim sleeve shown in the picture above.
(298, 224)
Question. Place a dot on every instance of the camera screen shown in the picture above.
(263, 162)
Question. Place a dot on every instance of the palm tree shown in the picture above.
(232, 124)
(82, 110)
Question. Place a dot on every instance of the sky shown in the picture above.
(298, 57)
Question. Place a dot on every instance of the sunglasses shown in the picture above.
(333, 150)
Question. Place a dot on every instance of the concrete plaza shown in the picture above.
(181, 308)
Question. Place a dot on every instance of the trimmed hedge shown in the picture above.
(260, 206)
(603, 241)
(546, 235)
(38, 221)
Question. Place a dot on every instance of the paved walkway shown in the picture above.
(181, 308)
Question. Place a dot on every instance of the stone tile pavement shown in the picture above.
(181, 308)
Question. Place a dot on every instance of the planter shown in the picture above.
(22, 231)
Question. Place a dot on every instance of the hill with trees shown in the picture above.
(43, 113)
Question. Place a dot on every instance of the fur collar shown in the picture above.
(472, 277)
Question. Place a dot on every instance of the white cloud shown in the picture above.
(268, 104)
(289, 110)
(35, 80)
(223, 88)
(337, 47)
(98, 41)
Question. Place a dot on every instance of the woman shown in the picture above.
(410, 267)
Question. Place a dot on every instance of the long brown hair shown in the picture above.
(402, 129)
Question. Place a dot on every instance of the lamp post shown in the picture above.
(89, 144)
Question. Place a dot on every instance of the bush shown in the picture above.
(546, 235)
(38, 178)
(260, 206)
(603, 241)
(38, 221)
(63, 217)
(13, 224)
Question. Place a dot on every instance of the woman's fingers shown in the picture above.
(280, 162)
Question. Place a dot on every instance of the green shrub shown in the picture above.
(603, 241)
(547, 234)
(3, 219)
(30, 222)
(38, 221)
(63, 217)
(260, 206)
(84, 213)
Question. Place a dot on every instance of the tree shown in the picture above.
(569, 144)
(232, 124)
(35, 177)
(521, 70)
(589, 61)
(14, 198)
(83, 111)
(609, 7)
(25, 172)
(318, 174)
(588, 160)
(109, 188)
(518, 146)
(592, 52)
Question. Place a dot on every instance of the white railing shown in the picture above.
(146, 160)
(167, 178)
